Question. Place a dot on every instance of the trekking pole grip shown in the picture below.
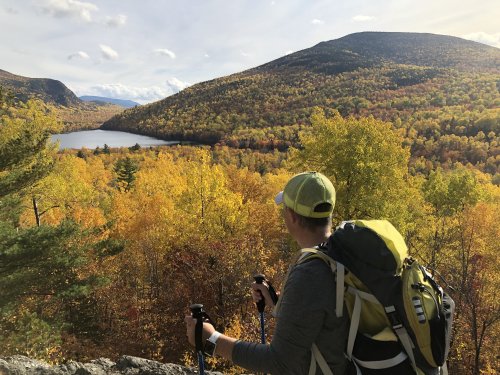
(198, 314)
(259, 279)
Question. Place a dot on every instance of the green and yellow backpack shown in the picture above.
(401, 318)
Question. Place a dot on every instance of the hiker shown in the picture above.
(305, 311)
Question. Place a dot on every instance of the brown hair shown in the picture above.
(312, 223)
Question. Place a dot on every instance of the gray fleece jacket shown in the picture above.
(306, 315)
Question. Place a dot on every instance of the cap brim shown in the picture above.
(279, 198)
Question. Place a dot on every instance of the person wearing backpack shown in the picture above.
(307, 320)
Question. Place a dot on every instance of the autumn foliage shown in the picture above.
(129, 239)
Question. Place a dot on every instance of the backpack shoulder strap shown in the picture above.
(337, 268)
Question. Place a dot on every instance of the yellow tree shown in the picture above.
(473, 269)
(209, 202)
(448, 194)
(70, 191)
(366, 162)
(457, 239)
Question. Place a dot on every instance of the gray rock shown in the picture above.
(126, 365)
(20, 365)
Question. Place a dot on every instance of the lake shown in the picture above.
(97, 138)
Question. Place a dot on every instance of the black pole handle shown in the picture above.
(201, 316)
(259, 279)
(196, 309)
(198, 313)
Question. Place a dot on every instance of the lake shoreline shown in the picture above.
(98, 138)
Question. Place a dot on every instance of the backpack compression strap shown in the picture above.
(402, 333)
(400, 330)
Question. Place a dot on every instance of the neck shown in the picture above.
(311, 239)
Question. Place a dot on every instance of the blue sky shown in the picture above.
(145, 50)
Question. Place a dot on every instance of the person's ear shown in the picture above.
(293, 216)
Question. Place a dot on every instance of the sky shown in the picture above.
(145, 50)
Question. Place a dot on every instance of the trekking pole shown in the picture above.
(259, 279)
(198, 314)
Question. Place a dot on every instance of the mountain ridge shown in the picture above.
(48, 90)
(75, 113)
(121, 102)
(430, 87)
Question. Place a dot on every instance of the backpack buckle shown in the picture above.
(393, 317)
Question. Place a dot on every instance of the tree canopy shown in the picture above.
(365, 160)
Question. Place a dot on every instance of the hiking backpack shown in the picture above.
(401, 318)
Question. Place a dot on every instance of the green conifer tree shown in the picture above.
(125, 170)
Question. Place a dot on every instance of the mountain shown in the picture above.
(75, 113)
(101, 99)
(371, 49)
(46, 89)
(432, 87)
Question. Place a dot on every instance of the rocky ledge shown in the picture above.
(126, 365)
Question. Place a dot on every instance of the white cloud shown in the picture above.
(176, 85)
(138, 94)
(79, 55)
(362, 18)
(206, 55)
(164, 52)
(116, 21)
(485, 38)
(108, 53)
(245, 54)
(317, 22)
(69, 8)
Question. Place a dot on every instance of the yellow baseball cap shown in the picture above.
(305, 191)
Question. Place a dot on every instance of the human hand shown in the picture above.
(208, 329)
(260, 291)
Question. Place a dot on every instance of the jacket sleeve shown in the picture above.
(299, 320)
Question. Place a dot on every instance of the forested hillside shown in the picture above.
(48, 90)
(440, 92)
(103, 251)
(72, 111)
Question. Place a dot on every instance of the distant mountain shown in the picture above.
(372, 49)
(75, 113)
(120, 102)
(46, 89)
(441, 92)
